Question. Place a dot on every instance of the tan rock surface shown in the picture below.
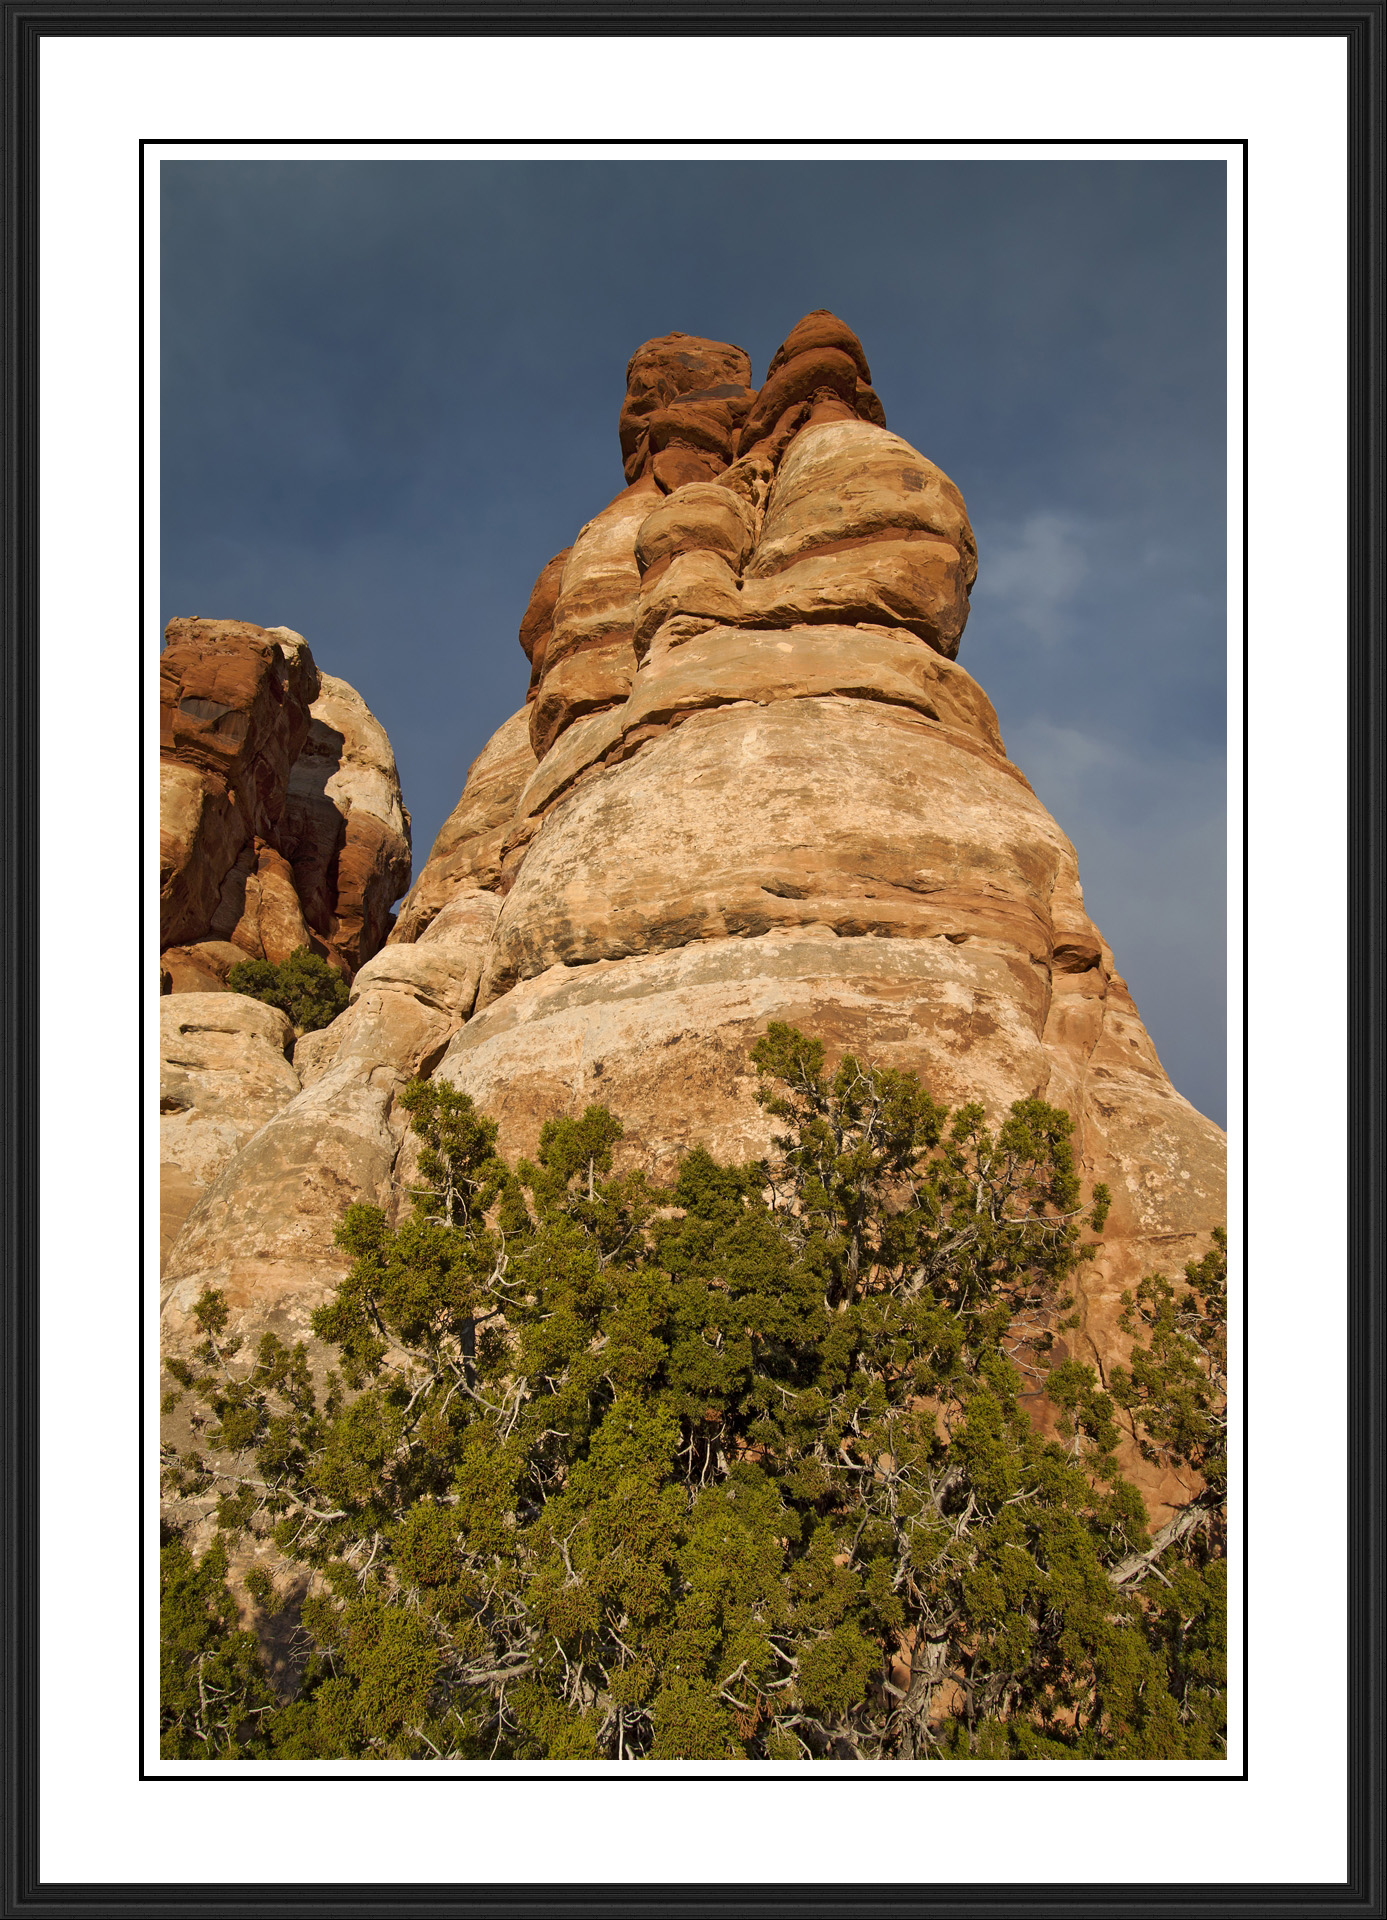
(698, 665)
(850, 480)
(314, 1053)
(223, 1073)
(853, 814)
(263, 1231)
(664, 1039)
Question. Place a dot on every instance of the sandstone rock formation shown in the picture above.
(750, 783)
(281, 819)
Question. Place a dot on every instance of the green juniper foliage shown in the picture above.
(739, 1469)
(304, 986)
(213, 1699)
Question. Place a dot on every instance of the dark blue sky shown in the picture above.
(390, 393)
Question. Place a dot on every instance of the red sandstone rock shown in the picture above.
(233, 715)
(677, 364)
(868, 406)
(685, 400)
(688, 411)
(281, 823)
(804, 378)
(683, 466)
(814, 332)
(271, 924)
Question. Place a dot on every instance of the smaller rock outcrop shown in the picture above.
(264, 1229)
(281, 820)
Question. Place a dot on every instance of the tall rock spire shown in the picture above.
(751, 783)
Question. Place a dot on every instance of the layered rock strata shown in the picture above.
(751, 782)
(281, 819)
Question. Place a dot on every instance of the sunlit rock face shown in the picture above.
(750, 783)
(224, 1070)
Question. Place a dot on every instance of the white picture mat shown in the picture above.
(99, 97)
(210, 152)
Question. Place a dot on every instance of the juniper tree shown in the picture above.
(739, 1468)
(213, 1694)
(302, 985)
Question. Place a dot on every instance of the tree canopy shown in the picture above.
(777, 1463)
(302, 985)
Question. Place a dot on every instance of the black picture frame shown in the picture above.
(1362, 26)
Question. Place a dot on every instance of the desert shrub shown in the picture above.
(304, 986)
